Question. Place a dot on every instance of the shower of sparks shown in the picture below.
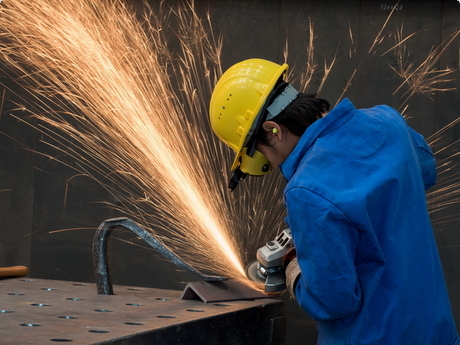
(352, 41)
(380, 36)
(446, 195)
(123, 91)
(132, 111)
(311, 65)
(425, 78)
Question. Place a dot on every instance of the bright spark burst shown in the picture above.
(117, 98)
(446, 195)
(425, 78)
(130, 107)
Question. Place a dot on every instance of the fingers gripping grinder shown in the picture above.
(268, 269)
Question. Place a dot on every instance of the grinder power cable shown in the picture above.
(268, 268)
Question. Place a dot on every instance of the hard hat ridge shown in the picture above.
(281, 102)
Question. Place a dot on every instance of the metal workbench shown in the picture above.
(40, 311)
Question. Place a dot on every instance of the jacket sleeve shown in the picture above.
(426, 159)
(327, 288)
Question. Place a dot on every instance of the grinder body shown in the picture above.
(268, 269)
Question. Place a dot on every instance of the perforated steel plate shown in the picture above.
(38, 311)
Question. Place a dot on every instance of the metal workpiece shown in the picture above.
(101, 260)
(40, 311)
(220, 291)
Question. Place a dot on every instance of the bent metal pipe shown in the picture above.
(100, 253)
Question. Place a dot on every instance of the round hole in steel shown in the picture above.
(163, 299)
(98, 331)
(16, 293)
(103, 310)
(61, 339)
(30, 324)
(166, 316)
(67, 317)
(49, 289)
(74, 299)
(134, 304)
(3, 311)
(222, 305)
(40, 304)
(134, 323)
(195, 310)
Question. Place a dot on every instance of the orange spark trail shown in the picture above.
(425, 78)
(103, 83)
(130, 106)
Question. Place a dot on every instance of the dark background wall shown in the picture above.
(49, 215)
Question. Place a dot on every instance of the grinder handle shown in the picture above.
(13, 271)
(290, 254)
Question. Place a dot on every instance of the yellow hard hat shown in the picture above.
(237, 102)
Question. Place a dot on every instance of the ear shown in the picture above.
(274, 130)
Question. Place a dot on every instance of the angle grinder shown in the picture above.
(268, 268)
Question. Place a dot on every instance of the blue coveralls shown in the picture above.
(356, 206)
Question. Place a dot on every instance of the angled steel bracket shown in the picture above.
(100, 253)
(221, 291)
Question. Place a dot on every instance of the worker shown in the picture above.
(366, 266)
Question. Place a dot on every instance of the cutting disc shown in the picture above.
(252, 272)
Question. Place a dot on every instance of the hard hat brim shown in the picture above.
(257, 165)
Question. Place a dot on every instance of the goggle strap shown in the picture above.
(281, 102)
(262, 116)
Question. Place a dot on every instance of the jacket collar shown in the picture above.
(336, 118)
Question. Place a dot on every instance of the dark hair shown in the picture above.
(298, 115)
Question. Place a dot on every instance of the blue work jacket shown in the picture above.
(356, 206)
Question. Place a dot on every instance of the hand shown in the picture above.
(292, 269)
(288, 257)
(292, 275)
